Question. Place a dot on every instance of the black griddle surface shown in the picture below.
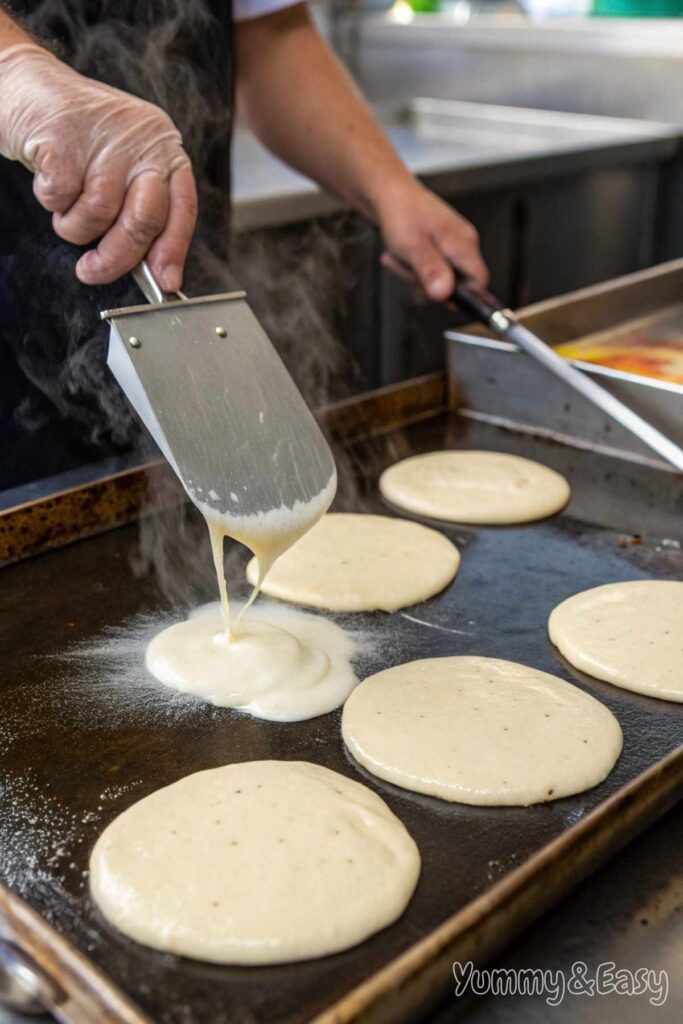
(84, 732)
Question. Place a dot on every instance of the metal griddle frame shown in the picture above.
(77, 991)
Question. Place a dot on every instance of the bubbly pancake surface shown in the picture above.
(629, 634)
(480, 731)
(277, 663)
(475, 487)
(354, 562)
(256, 863)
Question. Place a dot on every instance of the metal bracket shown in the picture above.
(23, 985)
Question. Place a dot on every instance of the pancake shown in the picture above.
(475, 487)
(354, 563)
(480, 731)
(257, 863)
(629, 634)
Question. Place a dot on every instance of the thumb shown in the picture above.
(433, 271)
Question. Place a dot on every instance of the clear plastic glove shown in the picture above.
(107, 166)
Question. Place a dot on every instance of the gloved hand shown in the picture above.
(106, 165)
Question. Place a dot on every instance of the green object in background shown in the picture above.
(638, 8)
(425, 6)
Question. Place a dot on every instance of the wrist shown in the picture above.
(395, 194)
(21, 64)
(20, 51)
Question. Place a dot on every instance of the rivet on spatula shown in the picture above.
(134, 342)
(221, 332)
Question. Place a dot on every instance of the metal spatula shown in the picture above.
(217, 399)
(478, 302)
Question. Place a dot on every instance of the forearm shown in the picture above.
(299, 100)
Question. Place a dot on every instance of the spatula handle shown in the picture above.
(150, 288)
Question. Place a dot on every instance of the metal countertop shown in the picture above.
(471, 152)
(637, 37)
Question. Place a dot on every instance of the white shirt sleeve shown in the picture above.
(243, 10)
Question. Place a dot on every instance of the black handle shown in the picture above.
(476, 301)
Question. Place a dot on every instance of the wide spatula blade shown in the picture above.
(216, 397)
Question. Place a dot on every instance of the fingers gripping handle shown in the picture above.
(479, 303)
(149, 286)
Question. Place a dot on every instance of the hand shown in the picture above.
(428, 242)
(107, 166)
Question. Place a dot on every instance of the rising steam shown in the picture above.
(169, 52)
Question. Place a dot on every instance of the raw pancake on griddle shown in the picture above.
(352, 562)
(279, 663)
(257, 863)
(475, 487)
(480, 731)
(629, 634)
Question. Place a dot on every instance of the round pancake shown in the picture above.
(480, 731)
(629, 634)
(257, 863)
(354, 563)
(475, 487)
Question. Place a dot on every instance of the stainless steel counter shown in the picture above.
(455, 147)
(597, 66)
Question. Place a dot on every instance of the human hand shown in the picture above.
(107, 165)
(428, 242)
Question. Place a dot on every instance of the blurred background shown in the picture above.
(554, 125)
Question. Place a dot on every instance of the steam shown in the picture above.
(165, 51)
(292, 280)
(169, 52)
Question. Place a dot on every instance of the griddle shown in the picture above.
(84, 732)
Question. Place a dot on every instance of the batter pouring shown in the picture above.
(277, 663)
(266, 535)
(280, 665)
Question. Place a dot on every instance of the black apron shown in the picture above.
(59, 406)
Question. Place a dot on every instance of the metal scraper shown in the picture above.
(217, 399)
(478, 302)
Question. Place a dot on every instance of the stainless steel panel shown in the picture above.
(519, 128)
(454, 146)
(493, 378)
(583, 68)
(497, 379)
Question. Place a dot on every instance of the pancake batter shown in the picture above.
(275, 667)
(629, 634)
(480, 731)
(258, 863)
(353, 563)
(475, 487)
(280, 664)
(267, 535)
